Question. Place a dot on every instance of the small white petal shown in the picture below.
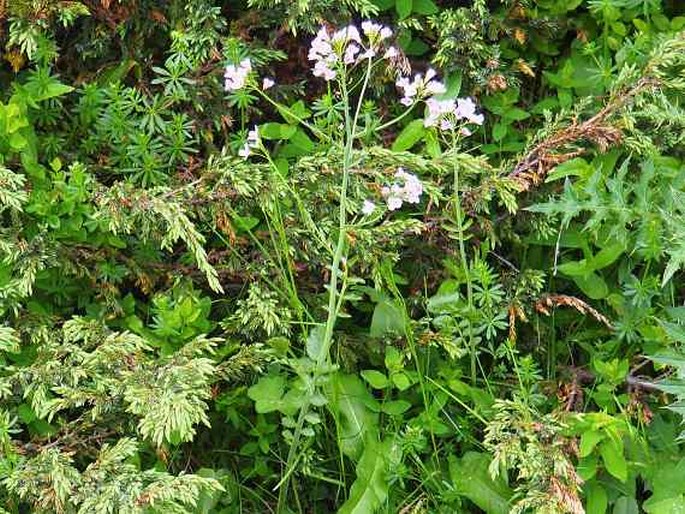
(368, 207)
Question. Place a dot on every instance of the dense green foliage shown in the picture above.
(229, 285)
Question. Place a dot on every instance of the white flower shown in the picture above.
(349, 33)
(369, 27)
(466, 109)
(351, 53)
(236, 76)
(320, 48)
(253, 137)
(406, 188)
(435, 87)
(385, 33)
(437, 110)
(390, 53)
(394, 203)
(369, 54)
(323, 70)
(420, 86)
(267, 83)
(368, 207)
(245, 151)
(413, 189)
(465, 132)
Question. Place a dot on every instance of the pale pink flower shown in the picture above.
(351, 53)
(323, 70)
(349, 33)
(406, 188)
(267, 83)
(369, 54)
(390, 53)
(466, 110)
(235, 77)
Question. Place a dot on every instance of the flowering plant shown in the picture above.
(347, 60)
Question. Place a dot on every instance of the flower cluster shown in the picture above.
(406, 188)
(235, 77)
(253, 141)
(420, 87)
(345, 47)
(447, 113)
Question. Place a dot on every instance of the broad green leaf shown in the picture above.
(626, 505)
(425, 7)
(471, 479)
(614, 461)
(296, 112)
(52, 90)
(277, 131)
(349, 401)
(588, 441)
(410, 135)
(387, 317)
(607, 256)
(675, 505)
(370, 489)
(315, 343)
(395, 407)
(376, 379)
(499, 130)
(593, 285)
(597, 500)
(577, 167)
(403, 8)
(267, 393)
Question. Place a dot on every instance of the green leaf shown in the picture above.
(376, 379)
(17, 141)
(515, 114)
(403, 8)
(425, 7)
(626, 505)
(370, 489)
(614, 461)
(395, 407)
(267, 393)
(277, 131)
(499, 131)
(588, 441)
(577, 167)
(315, 343)
(597, 500)
(593, 285)
(387, 317)
(471, 478)
(410, 135)
(349, 401)
(296, 112)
